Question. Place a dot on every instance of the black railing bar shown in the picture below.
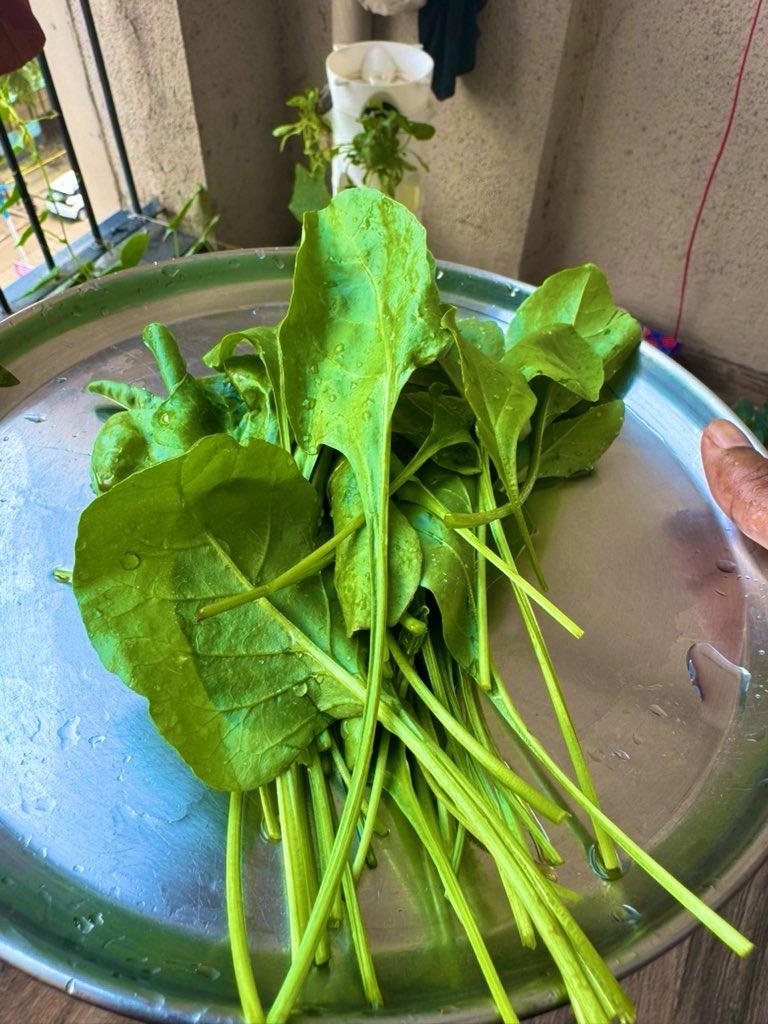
(101, 71)
(70, 149)
(26, 199)
(4, 304)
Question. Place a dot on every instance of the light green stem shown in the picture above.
(269, 819)
(411, 807)
(557, 698)
(369, 824)
(708, 917)
(493, 765)
(378, 531)
(238, 933)
(396, 718)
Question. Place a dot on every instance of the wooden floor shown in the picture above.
(698, 982)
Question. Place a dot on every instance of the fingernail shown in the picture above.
(725, 434)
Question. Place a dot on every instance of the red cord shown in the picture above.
(713, 171)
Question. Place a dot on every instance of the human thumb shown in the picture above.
(738, 478)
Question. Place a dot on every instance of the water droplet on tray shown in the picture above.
(657, 710)
(627, 913)
(596, 863)
(709, 671)
(726, 565)
(62, 575)
(36, 417)
(69, 733)
(621, 754)
(69, 988)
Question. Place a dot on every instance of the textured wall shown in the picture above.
(641, 105)
(485, 156)
(144, 53)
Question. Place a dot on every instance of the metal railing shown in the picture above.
(18, 175)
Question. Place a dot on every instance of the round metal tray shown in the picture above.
(112, 853)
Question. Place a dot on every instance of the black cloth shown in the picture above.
(448, 32)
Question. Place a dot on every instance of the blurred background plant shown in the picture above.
(381, 149)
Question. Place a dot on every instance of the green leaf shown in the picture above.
(178, 218)
(309, 193)
(132, 251)
(231, 695)
(560, 354)
(502, 401)
(485, 335)
(262, 341)
(449, 571)
(441, 423)
(364, 313)
(25, 235)
(574, 445)
(7, 379)
(154, 429)
(353, 557)
(580, 296)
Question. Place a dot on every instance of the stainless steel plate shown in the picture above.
(112, 853)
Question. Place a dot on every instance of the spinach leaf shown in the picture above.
(364, 313)
(266, 352)
(574, 445)
(449, 564)
(232, 695)
(439, 423)
(560, 354)
(154, 429)
(485, 335)
(502, 402)
(580, 297)
(353, 558)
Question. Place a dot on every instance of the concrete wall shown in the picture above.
(484, 159)
(587, 131)
(640, 112)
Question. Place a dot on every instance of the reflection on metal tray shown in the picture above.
(112, 853)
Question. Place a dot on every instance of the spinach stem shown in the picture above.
(556, 696)
(377, 518)
(542, 414)
(295, 893)
(341, 767)
(708, 917)
(370, 820)
(323, 806)
(481, 599)
(395, 717)
(238, 932)
(406, 798)
(270, 822)
(324, 829)
(493, 765)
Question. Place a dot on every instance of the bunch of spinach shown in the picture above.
(290, 561)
